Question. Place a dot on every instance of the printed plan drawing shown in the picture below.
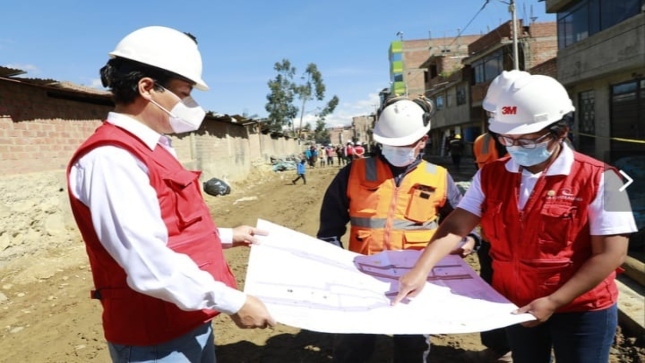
(311, 284)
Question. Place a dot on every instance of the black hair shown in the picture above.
(559, 127)
(122, 77)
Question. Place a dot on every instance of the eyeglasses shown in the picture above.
(525, 143)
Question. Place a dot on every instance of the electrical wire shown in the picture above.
(471, 20)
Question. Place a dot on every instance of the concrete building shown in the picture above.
(341, 134)
(362, 127)
(601, 61)
(408, 69)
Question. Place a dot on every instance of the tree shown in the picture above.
(280, 100)
(283, 91)
(321, 134)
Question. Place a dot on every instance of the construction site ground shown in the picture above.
(46, 314)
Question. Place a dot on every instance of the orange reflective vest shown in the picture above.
(384, 216)
(537, 250)
(129, 317)
(484, 149)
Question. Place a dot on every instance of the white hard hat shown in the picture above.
(403, 122)
(498, 84)
(530, 104)
(164, 48)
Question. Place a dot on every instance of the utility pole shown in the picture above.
(516, 58)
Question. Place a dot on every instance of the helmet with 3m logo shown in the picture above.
(529, 104)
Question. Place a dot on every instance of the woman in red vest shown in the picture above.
(154, 250)
(558, 226)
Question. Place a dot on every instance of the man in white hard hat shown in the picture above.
(155, 253)
(558, 224)
(363, 194)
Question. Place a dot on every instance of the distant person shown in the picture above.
(557, 224)
(312, 155)
(323, 156)
(456, 150)
(301, 169)
(349, 152)
(156, 256)
(331, 153)
(363, 193)
(359, 150)
(340, 154)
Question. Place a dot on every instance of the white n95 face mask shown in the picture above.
(399, 156)
(185, 116)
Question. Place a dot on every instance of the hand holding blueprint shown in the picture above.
(313, 285)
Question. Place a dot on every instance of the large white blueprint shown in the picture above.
(313, 285)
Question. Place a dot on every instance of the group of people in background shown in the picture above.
(325, 155)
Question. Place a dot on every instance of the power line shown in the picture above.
(471, 20)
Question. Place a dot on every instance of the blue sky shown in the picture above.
(240, 41)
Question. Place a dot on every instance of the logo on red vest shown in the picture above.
(509, 110)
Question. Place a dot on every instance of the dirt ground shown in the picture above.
(46, 314)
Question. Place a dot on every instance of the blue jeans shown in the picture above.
(197, 346)
(580, 337)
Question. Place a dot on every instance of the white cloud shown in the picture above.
(29, 68)
(344, 113)
(96, 83)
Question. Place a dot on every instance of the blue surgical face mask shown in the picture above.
(530, 157)
(398, 155)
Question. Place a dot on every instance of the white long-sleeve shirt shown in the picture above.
(115, 186)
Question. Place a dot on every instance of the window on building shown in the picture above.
(588, 17)
(439, 102)
(627, 118)
(461, 95)
(489, 67)
(433, 71)
(587, 123)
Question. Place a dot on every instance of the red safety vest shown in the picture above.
(536, 251)
(129, 317)
(386, 217)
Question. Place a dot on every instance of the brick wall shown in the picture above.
(548, 68)
(41, 127)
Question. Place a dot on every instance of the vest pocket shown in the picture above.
(416, 240)
(183, 184)
(556, 221)
(492, 218)
(421, 207)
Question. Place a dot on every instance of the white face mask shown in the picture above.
(185, 116)
(398, 155)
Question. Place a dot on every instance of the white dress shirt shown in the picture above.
(125, 211)
(602, 221)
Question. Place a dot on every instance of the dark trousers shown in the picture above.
(358, 348)
(493, 339)
(299, 177)
(578, 337)
(456, 160)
